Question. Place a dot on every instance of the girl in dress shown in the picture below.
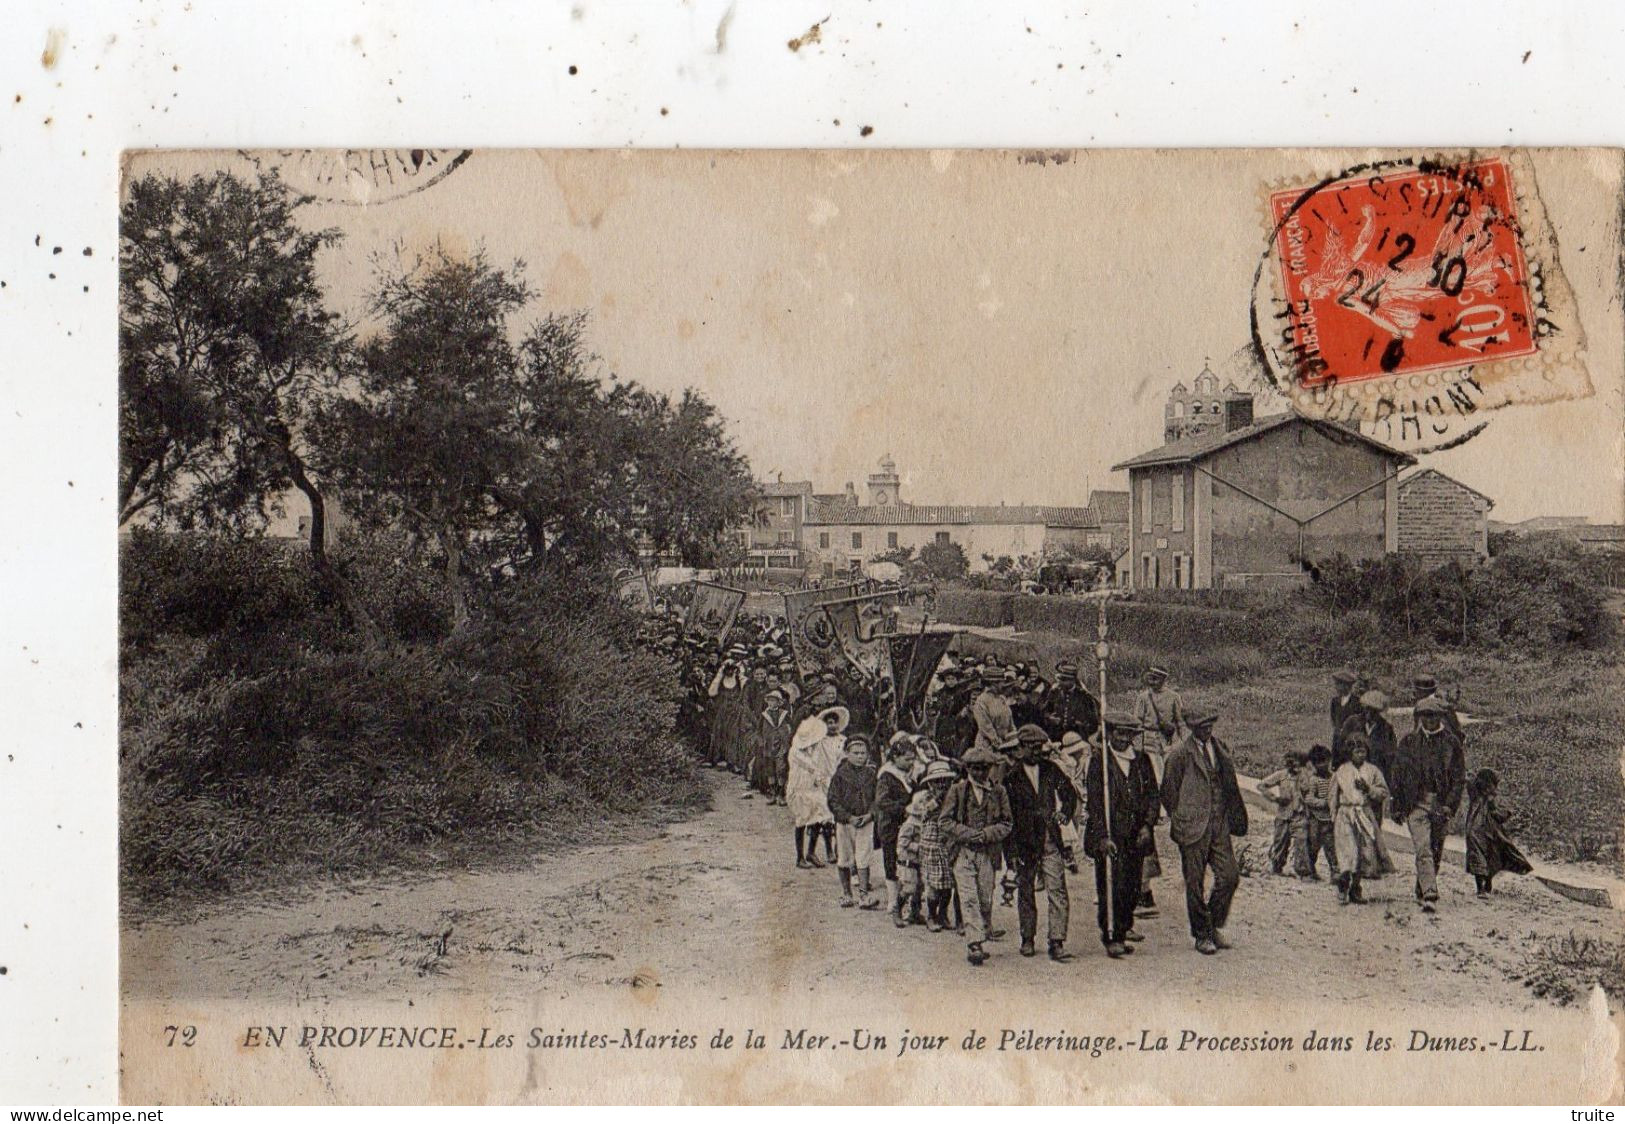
(1489, 850)
(1357, 788)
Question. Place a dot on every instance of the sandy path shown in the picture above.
(715, 905)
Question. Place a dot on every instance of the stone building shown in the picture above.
(1258, 501)
(1442, 520)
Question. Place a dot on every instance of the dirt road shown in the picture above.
(715, 905)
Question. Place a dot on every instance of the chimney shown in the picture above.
(1238, 412)
(851, 493)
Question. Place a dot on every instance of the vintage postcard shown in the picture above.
(903, 627)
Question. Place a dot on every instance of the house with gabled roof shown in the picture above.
(1259, 501)
(1442, 520)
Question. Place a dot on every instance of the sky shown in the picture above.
(1005, 325)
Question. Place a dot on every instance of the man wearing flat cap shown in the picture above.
(1041, 800)
(995, 726)
(1430, 772)
(975, 816)
(1119, 848)
(1345, 704)
(1070, 706)
(1205, 809)
(1426, 686)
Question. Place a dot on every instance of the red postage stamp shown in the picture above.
(1401, 271)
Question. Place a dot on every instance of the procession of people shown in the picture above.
(998, 788)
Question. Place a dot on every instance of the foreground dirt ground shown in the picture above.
(716, 905)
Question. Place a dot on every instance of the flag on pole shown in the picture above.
(711, 610)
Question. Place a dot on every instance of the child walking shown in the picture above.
(1489, 850)
(1316, 788)
(1282, 787)
(851, 802)
(1357, 789)
(920, 805)
(936, 850)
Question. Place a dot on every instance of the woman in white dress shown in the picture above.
(815, 750)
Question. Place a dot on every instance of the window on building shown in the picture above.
(1145, 571)
(1163, 515)
(1181, 577)
(857, 540)
(1156, 571)
(787, 506)
(1177, 516)
(829, 569)
(1145, 503)
(823, 540)
(787, 538)
(942, 537)
(1179, 409)
(1196, 407)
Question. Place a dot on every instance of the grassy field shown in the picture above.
(1554, 731)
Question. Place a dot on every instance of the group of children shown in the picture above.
(1339, 813)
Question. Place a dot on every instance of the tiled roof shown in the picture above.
(779, 488)
(1208, 442)
(910, 514)
(1110, 506)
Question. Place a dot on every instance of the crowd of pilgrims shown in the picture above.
(941, 800)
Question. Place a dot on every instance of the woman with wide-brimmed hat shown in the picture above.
(815, 751)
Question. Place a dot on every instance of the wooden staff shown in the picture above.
(1101, 652)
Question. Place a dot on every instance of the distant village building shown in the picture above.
(1442, 520)
(772, 536)
(830, 534)
(1256, 501)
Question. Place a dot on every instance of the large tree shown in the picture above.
(224, 343)
(511, 450)
(427, 433)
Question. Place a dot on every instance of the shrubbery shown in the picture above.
(1154, 624)
(261, 740)
(975, 607)
(1536, 595)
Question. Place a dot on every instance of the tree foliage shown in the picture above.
(224, 342)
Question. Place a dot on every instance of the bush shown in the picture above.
(1533, 595)
(261, 742)
(979, 608)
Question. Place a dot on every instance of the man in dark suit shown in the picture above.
(1345, 705)
(1204, 805)
(1041, 800)
(1070, 706)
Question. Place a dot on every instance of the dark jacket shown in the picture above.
(851, 791)
(1489, 850)
(1427, 764)
(1071, 708)
(1341, 713)
(1133, 803)
(1381, 736)
(981, 827)
(891, 805)
(1198, 799)
(1032, 814)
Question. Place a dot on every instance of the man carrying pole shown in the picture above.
(1122, 809)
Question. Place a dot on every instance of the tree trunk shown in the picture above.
(371, 634)
(318, 510)
(454, 578)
